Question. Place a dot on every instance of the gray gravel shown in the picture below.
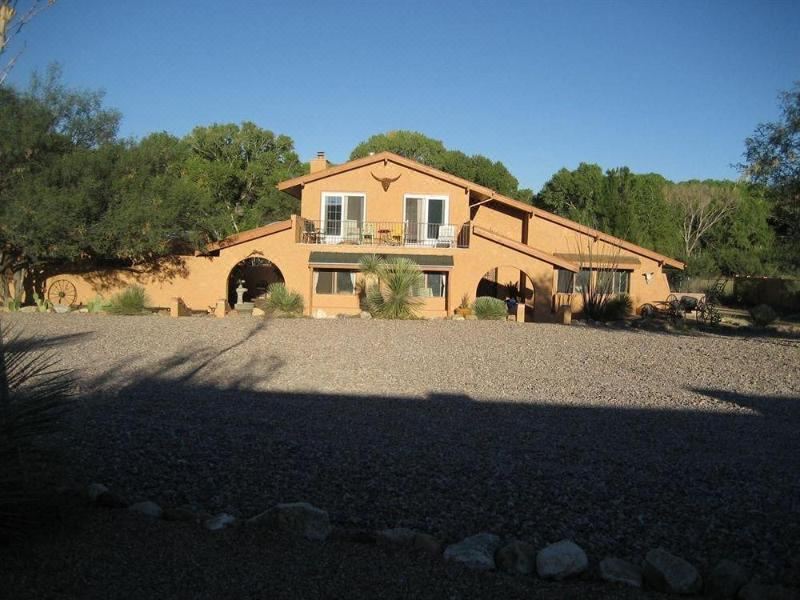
(620, 440)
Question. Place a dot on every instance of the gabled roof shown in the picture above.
(480, 193)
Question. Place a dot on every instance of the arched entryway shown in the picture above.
(505, 282)
(256, 274)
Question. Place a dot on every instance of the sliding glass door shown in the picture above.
(424, 215)
(342, 215)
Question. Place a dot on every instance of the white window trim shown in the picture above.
(427, 197)
(322, 215)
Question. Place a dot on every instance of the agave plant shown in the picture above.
(34, 394)
(390, 293)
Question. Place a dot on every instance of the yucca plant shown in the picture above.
(281, 299)
(34, 394)
(390, 294)
(488, 308)
(130, 301)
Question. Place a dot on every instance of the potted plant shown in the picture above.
(464, 309)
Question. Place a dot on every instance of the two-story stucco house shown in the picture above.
(467, 239)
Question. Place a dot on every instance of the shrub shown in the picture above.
(617, 307)
(392, 294)
(490, 308)
(280, 299)
(96, 305)
(130, 301)
(34, 395)
(763, 314)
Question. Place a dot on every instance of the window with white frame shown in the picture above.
(332, 281)
(424, 215)
(342, 212)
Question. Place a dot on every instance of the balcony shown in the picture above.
(383, 233)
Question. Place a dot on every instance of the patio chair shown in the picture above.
(398, 233)
(447, 236)
(311, 234)
(368, 233)
(350, 233)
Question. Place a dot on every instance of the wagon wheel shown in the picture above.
(701, 310)
(673, 303)
(62, 292)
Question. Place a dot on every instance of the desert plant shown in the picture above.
(34, 394)
(96, 305)
(391, 296)
(130, 301)
(465, 303)
(617, 307)
(763, 314)
(42, 304)
(13, 305)
(511, 290)
(486, 307)
(280, 299)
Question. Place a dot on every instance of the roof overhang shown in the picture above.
(351, 260)
(600, 260)
(250, 235)
(481, 194)
(524, 249)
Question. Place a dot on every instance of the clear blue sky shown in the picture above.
(671, 87)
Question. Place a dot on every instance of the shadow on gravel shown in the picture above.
(782, 407)
(706, 485)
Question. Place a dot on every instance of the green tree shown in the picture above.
(574, 194)
(428, 151)
(238, 167)
(772, 158)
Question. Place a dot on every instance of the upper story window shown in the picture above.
(426, 216)
(342, 212)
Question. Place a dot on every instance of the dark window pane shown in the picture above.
(624, 285)
(344, 282)
(582, 280)
(565, 281)
(324, 282)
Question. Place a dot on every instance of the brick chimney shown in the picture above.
(320, 163)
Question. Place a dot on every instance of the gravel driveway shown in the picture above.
(621, 440)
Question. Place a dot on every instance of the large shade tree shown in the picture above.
(428, 151)
(772, 158)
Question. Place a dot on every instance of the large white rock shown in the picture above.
(561, 560)
(149, 508)
(665, 572)
(220, 521)
(476, 552)
(319, 314)
(299, 518)
(617, 570)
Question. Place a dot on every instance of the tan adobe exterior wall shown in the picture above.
(201, 281)
(385, 206)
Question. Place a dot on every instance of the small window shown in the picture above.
(434, 285)
(566, 281)
(613, 282)
(328, 281)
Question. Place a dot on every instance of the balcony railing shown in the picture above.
(383, 233)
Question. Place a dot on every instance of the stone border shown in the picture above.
(660, 570)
